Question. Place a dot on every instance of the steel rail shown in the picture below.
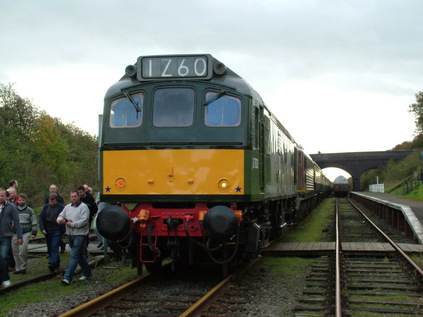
(94, 305)
(211, 295)
(338, 250)
(205, 300)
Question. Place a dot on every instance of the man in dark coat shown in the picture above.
(52, 230)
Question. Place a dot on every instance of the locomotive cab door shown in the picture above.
(261, 148)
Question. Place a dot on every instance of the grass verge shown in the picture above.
(313, 228)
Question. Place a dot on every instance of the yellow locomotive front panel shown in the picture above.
(173, 172)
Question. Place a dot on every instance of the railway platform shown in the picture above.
(415, 205)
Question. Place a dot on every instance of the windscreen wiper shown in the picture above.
(217, 96)
(137, 108)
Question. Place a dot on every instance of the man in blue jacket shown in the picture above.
(52, 230)
(9, 225)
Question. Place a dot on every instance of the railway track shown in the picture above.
(364, 283)
(189, 294)
(317, 297)
(170, 295)
(375, 284)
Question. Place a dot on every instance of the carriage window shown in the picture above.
(125, 114)
(225, 111)
(173, 107)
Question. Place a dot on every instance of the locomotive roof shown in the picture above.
(223, 75)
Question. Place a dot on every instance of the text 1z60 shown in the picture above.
(174, 67)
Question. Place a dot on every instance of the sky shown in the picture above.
(339, 75)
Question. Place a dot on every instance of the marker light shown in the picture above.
(223, 185)
(143, 217)
(131, 70)
(238, 214)
(201, 214)
(120, 183)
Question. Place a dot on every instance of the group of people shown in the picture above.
(18, 223)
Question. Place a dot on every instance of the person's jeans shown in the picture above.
(78, 245)
(53, 243)
(4, 258)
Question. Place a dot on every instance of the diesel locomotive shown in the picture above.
(194, 165)
(341, 187)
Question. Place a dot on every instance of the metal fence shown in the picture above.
(410, 184)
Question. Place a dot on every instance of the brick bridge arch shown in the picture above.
(356, 163)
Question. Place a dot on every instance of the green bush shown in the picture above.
(38, 150)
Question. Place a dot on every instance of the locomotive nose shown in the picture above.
(220, 223)
(113, 223)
